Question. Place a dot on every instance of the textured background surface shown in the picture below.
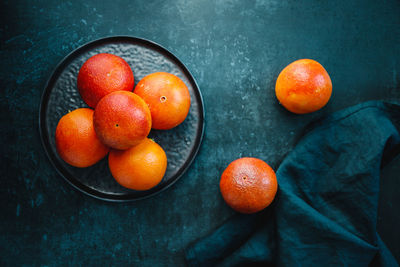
(235, 50)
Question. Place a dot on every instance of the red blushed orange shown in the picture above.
(303, 86)
(122, 119)
(248, 185)
(76, 141)
(103, 74)
(168, 99)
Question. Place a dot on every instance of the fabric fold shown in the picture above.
(325, 211)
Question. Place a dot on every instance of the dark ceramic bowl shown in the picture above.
(181, 144)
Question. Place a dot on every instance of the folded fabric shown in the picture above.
(325, 211)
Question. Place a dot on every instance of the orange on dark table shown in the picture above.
(303, 86)
(248, 185)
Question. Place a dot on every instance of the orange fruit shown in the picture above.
(168, 99)
(303, 86)
(76, 141)
(248, 185)
(141, 167)
(102, 74)
(122, 119)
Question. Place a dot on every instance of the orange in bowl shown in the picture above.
(103, 74)
(168, 99)
(122, 119)
(303, 86)
(139, 168)
(76, 141)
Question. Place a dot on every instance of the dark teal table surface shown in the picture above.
(235, 50)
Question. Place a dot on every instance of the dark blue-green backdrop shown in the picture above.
(235, 50)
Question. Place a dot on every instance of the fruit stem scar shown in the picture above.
(116, 125)
(163, 98)
(244, 177)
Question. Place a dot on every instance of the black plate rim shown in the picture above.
(45, 138)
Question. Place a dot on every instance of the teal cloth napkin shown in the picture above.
(325, 211)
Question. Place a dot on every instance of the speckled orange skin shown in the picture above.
(141, 167)
(102, 74)
(122, 119)
(248, 185)
(76, 141)
(303, 86)
(168, 99)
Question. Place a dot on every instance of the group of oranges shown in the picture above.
(249, 185)
(119, 120)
